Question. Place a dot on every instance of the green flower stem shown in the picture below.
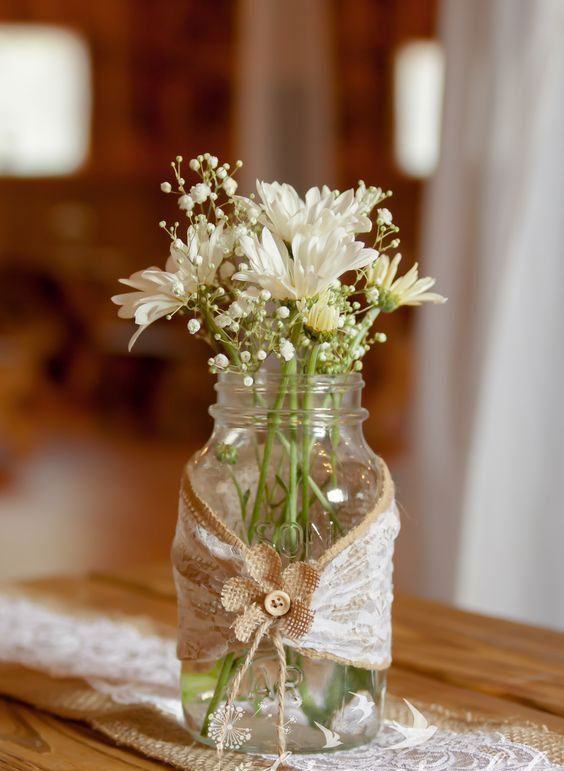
(240, 494)
(215, 330)
(316, 490)
(291, 512)
(363, 329)
(335, 439)
(222, 680)
(273, 425)
(306, 439)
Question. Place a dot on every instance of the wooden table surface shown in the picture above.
(441, 655)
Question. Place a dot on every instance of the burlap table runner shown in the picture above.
(150, 731)
(160, 737)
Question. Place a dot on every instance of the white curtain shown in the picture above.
(485, 525)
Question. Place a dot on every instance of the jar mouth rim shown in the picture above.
(269, 377)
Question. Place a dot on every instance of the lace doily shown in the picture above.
(134, 668)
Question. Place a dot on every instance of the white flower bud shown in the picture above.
(235, 310)
(226, 270)
(287, 350)
(384, 217)
(212, 160)
(166, 187)
(221, 173)
(248, 381)
(230, 186)
(186, 203)
(261, 355)
(245, 356)
(194, 326)
(200, 192)
(223, 320)
(219, 213)
(283, 312)
(265, 295)
(194, 164)
(221, 361)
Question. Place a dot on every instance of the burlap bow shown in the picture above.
(269, 593)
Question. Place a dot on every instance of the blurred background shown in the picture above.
(458, 107)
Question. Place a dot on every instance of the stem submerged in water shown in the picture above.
(307, 442)
(222, 681)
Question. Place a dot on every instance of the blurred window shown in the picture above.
(45, 100)
(418, 96)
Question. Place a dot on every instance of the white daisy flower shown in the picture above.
(321, 210)
(390, 293)
(157, 293)
(316, 262)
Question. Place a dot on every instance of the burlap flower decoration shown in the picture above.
(271, 594)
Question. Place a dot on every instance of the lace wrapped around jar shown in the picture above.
(283, 562)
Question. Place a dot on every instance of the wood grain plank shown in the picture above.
(420, 688)
(519, 663)
(31, 740)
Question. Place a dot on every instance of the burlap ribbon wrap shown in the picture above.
(231, 595)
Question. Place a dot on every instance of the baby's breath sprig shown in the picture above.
(260, 278)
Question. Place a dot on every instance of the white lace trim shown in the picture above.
(341, 627)
(117, 659)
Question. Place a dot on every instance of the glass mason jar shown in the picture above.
(287, 464)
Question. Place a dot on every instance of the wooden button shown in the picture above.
(277, 603)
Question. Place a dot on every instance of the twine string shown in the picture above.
(238, 679)
(277, 640)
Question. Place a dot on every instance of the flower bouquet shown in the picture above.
(283, 551)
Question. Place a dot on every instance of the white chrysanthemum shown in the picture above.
(158, 293)
(390, 293)
(321, 210)
(197, 261)
(316, 262)
(322, 318)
